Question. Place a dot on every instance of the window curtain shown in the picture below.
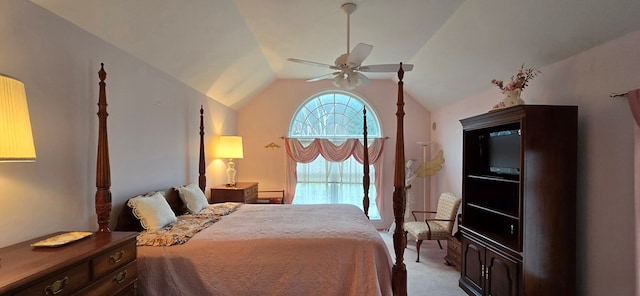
(634, 104)
(298, 153)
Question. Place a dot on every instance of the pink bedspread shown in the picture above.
(274, 250)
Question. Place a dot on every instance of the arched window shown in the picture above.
(338, 117)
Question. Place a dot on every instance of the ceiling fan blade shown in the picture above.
(385, 68)
(325, 76)
(312, 63)
(358, 54)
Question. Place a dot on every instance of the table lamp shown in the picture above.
(16, 140)
(230, 147)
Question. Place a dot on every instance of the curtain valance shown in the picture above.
(333, 152)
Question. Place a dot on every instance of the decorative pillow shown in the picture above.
(193, 198)
(153, 211)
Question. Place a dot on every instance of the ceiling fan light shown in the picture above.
(349, 86)
(337, 81)
(346, 85)
(362, 79)
(351, 81)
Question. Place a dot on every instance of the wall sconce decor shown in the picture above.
(230, 147)
(272, 145)
(16, 139)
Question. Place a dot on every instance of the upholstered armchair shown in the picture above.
(437, 228)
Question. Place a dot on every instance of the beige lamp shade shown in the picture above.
(229, 147)
(16, 140)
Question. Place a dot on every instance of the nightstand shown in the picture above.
(102, 264)
(270, 197)
(246, 192)
(454, 252)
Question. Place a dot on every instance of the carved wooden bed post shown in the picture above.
(399, 271)
(103, 170)
(202, 178)
(365, 178)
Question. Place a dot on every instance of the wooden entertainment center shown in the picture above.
(518, 201)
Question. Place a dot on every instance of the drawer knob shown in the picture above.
(120, 277)
(116, 257)
(56, 287)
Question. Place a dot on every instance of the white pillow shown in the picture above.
(153, 211)
(193, 197)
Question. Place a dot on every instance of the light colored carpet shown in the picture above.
(429, 276)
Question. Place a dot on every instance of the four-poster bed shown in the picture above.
(222, 255)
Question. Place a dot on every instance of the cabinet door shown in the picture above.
(473, 270)
(503, 275)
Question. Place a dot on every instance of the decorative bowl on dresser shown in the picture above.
(102, 264)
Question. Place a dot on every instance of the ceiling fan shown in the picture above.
(349, 65)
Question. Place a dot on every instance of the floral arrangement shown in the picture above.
(518, 81)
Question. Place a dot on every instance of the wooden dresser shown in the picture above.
(101, 264)
(246, 192)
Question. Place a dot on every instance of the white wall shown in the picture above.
(605, 218)
(153, 125)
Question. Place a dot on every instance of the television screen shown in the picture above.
(504, 152)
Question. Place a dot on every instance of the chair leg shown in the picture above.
(418, 243)
(439, 245)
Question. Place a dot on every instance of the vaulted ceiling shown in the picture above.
(230, 50)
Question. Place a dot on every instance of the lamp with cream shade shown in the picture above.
(16, 139)
(230, 147)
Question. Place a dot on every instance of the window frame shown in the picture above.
(373, 120)
(373, 123)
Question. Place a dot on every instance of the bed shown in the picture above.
(253, 249)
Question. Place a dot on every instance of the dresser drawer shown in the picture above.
(114, 282)
(251, 194)
(453, 247)
(130, 290)
(113, 259)
(61, 283)
(454, 256)
(253, 190)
